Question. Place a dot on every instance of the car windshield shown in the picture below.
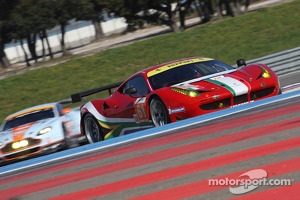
(30, 117)
(187, 72)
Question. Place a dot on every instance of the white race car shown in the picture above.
(40, 129)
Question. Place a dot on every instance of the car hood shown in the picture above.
(237, 85)
(26, 130)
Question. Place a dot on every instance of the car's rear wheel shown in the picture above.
(92, 129)
(159, 113)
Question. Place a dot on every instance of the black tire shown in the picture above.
(92, 129)
(158, 112)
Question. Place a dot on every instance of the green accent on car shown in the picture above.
(223, 85)
(188, 92)
(116, 128)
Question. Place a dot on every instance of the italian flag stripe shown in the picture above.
(235, 86)
(224, 85)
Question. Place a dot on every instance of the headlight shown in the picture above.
(264, 73)
(45, 130)
(20, 144)
(191, 93)
(1, 143)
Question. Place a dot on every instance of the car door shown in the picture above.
(132, 92)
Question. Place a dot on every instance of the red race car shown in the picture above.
(171, 92)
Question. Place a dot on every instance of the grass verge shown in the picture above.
(248, 36)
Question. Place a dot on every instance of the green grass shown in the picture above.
(248, 36)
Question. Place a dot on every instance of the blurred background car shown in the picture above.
(40, 129)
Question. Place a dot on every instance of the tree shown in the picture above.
(5, 28)
(165, 6)
(129, 9)
(31, 18)
(46, 17)
(137, 12)
(204, 9)
(96, 17)
(66, 10)
(62, 15)
(20, 30)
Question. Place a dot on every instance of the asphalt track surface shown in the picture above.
(178, 165)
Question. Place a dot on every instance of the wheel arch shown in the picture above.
(82, 129)
(153, 96)
(149, 101)
(82, 121)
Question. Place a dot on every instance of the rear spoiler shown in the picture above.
(78, 96)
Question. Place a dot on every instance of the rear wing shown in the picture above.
(78, 96)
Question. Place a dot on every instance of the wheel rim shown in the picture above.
(92, 130)
(158, 113)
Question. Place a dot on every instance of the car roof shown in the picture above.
(165, 65)
(173, 63)
(31, 109)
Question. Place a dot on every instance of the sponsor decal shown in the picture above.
(28, 111)
(241, 104)
(19, 131)
(22, 127)
(249, 181)
(217, 77)
(187, 86)
(140, 100)
(176, 110)
(18, 136)
(175, 64)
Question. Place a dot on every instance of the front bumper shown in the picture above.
(216, 102)
(31, 152)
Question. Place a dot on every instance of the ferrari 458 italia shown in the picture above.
(171, 92)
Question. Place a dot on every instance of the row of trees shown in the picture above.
(30, 19)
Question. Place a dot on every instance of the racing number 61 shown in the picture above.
(140, 109)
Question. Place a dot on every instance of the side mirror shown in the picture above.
(130, 91)
(66, 110)
(241, 62)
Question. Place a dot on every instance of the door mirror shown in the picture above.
(66, 110)
(241, 62)
(130, 91)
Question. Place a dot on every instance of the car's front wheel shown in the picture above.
(92, 129)
(159, 113)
